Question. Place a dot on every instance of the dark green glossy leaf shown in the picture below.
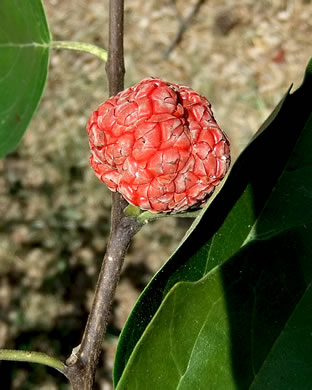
(24, 56)
(229, 222)
(244, 326)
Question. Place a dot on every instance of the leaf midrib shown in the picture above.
(253, 233)
(196, 340)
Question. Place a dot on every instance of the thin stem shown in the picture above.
(82, 363)
(184, 24)
(115, 66)
(80, 46)
(81, 367)
(32, 357)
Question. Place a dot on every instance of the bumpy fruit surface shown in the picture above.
(158, 144)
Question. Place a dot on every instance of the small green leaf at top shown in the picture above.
(24, 57)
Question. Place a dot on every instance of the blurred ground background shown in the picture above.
(55, 214)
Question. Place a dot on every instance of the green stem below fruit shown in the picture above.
(146, 216)
(32, 357)
(80, 46)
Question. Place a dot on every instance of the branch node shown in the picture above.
(72, 359)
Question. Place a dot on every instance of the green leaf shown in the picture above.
(229, 223)
(243, 326)
(24, 57)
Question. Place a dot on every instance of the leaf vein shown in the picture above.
(277, 340)
(196, 340)
(171, 336)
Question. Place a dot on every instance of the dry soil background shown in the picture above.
(55, 214)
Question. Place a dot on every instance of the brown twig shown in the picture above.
(82, 364)
(184, 24)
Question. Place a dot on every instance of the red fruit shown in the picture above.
(158, 144)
